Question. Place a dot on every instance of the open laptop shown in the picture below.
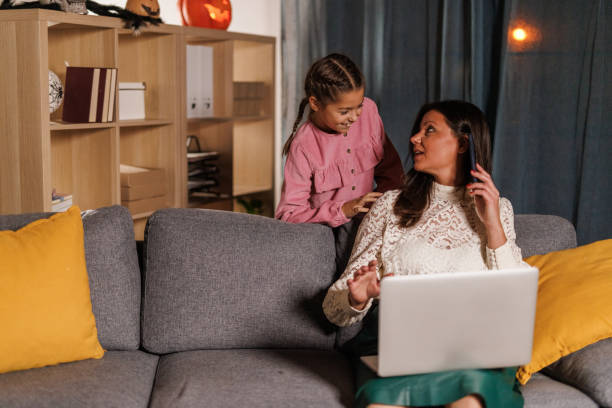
(448, 321)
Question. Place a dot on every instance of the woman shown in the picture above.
(440, 221)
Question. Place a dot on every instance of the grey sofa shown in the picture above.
(226, 312)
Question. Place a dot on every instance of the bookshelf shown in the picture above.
(41, 153)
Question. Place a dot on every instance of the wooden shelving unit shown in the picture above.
(41, 153)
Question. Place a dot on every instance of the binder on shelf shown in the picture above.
(88, 94)
(199, 81)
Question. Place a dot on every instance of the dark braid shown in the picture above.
(325, 80)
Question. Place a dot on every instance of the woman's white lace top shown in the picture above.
(449, 237)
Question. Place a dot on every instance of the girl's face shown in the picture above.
(436, 149)
(337, 116)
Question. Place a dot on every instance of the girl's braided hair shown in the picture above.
(325, 80)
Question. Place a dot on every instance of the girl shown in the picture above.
(439, 221)
(336, 155)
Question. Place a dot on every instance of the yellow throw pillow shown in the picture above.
(574, 307)
(45, 306)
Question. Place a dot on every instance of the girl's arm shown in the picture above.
(294, 205)
(367, 248)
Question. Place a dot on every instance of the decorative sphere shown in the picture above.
(206, 13)
(56, 92)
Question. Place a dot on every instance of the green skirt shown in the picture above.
(496, 387)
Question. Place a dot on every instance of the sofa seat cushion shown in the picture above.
(253, 378)
(544, 392)
(120, 379)
(112, 268)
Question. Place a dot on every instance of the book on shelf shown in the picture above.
(88, 96)
(60, 201)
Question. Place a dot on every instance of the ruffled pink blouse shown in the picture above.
(324, 170)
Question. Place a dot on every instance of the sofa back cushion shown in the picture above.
(540, 234)
(218, 280)
(112, 267)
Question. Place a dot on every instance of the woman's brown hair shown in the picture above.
(325, 80)
(462, 117)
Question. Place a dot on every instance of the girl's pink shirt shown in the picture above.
(325, 170)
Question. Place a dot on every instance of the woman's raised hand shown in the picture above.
(360, 205)
(486, 201)
(364, 285)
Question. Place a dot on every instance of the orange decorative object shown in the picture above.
(206, 13)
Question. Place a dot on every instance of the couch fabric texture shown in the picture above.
(231, 315)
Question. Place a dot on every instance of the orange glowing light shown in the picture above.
(519, 34)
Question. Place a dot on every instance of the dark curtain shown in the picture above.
(547, 98)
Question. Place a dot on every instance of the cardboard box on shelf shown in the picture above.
(145, 205)
(138, 176)
(131, 100)
(143, 191)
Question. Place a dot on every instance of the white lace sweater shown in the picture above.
(449, 237)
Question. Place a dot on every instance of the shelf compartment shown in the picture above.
(222, 75)
(84, 164)
(254, 62)
(152, 147)
(253, 166)
(79, 46)
(217, 136)
(151, 58)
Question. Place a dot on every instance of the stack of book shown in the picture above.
(89, 94)
(249, 98)
(60, 201)
(202, 171)
(143, 190)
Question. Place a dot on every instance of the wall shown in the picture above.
(262, 17)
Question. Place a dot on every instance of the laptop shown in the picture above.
(450, 321)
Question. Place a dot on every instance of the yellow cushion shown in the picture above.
(574, 306)
(45, 307)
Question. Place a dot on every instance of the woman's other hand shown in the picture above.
(486, 202)
(364, 285)
(359, 205)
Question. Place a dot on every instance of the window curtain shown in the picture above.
(546, 98)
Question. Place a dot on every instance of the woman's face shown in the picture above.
(436, 149)
(338, 116)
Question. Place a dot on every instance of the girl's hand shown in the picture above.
(364, 285)
(359, 205)
(486, 202)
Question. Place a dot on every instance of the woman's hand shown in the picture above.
(359, 205)
(486, 202)
(364, 285)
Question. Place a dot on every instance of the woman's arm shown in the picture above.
(498, 218)
(509, 254)
(367, 248)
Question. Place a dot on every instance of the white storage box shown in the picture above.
(131, 100)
